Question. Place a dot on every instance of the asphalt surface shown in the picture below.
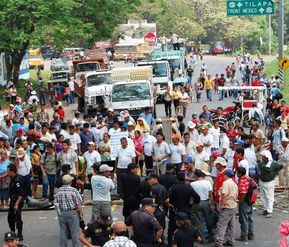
(41, 227)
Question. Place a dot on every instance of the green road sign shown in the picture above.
(250, 7)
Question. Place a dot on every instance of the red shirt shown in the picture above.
(138, 144)
(285, 109)
(243, 184)
(232, 134)
(220, 180)
(61, 114)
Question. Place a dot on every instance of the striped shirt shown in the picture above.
(67, 197)
(222, 120)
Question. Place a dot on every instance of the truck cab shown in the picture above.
(132, 90)
(97, 90)
(161, 74)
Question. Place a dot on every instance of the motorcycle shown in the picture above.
(232, 113)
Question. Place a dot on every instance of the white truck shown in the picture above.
(92, 84)
(161, 75)
(132, 90)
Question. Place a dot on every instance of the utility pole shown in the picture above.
(270, 34)
(281, 28)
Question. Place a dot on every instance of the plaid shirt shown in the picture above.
(120, 241)
(244, 183)
(67, 197)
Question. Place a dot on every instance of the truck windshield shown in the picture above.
(159, 69)
(59, 75)
(85, 67)
(99, 79)
(128, 48)
(130, 92)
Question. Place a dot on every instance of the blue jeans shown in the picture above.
(42, 98)
(221, 95)
(209, 94)
(72, 96)
(246, 219)
(48, 180)
(69, 223)
(235, 93)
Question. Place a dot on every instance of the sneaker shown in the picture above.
(20, 237)
(269, 215)
(241, 238)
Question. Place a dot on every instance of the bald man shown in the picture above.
(119, 236)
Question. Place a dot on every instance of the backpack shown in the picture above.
(251, 196)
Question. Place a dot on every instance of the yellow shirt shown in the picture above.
(208, 84)
(229, 194)
(176, 95)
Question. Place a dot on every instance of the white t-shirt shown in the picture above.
(244, 163)
(200, 158)
(216, 137)
(160, 150)
(24, 166)
(125, 157)
(101, 187)
(190, 149)
(148, 143)
(177, 152)
(113, 130)
(90, 159)
(250, 156)
(206, 139)
(71, 85)
(74, 140)
(224, 144)
(202, 188)
(75, 121)
(64, 133)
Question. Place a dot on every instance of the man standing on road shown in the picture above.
(125, 156)
(209, 87)
(146, 229)
(245, 207)
(147, 116)
(267, 170)
(130, 184)
(86, 136)
(283, 155)
(178, 151)
(101, 186)
(91, 157)
(68, 204)
(228, 206)
(221, 83)
(16, 201)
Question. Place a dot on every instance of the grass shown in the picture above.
(271, 68)
(21, 85)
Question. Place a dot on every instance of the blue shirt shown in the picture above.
(274, 91)
(148, 118)
(3, 166)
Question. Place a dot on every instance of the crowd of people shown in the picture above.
(176, 191)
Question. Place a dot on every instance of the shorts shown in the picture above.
(4, 194)
(36, 171)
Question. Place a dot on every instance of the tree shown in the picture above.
(62, 22)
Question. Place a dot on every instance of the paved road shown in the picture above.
(41, 227)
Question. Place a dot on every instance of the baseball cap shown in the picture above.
(229, 173)
(67, 179)
(215, 154)
(191, 125)
(148, 201)
(188, 159)
(181, 216)
(221, 161)
(10, 236)
(110, 109)
(20, 131)
(239, 142)
(132, 166)
(105, 168)
(130, 123)
(91, 143)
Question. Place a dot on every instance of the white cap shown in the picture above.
(105, 168)
(191, 125)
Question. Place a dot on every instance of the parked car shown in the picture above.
(58, 64)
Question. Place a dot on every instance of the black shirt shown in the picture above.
(168, 180)
(144, 227)
(130, 185)
(58, 182)
(16, 188)
(99, 234)
(144, 189)
(180, 196)
(185, 237)
(159, 192)
(190, 72)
